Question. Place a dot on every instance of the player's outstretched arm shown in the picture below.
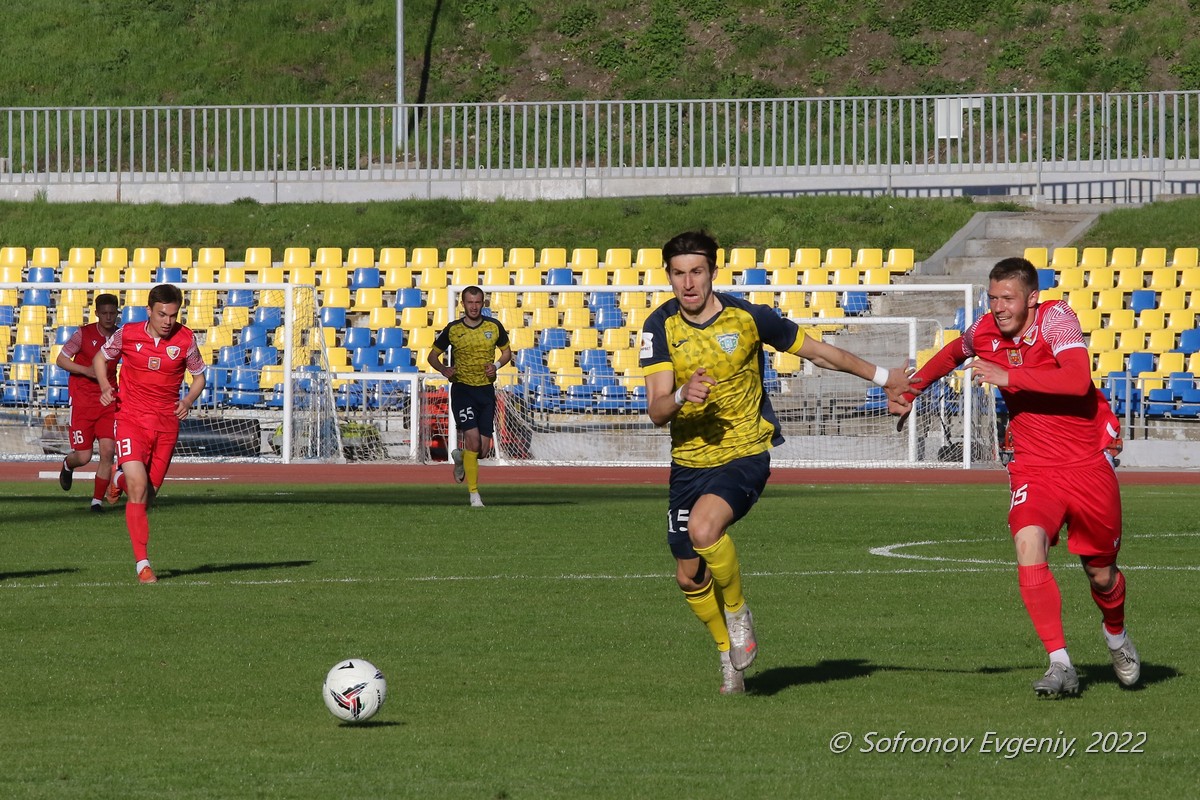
(827, 356)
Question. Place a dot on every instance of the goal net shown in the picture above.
(268, 393)
(576, 395)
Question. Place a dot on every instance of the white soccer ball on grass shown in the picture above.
(354, 690)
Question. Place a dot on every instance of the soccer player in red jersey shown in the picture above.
(154, 356)
(1034, 353)
(91, 421)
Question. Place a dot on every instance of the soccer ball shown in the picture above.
(354, 690)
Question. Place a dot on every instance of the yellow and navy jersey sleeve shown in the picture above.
(737, 419)
(472, 349)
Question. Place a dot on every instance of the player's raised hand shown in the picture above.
(697, 389)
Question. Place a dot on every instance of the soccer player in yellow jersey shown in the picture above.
(471, 342)
(702, 354)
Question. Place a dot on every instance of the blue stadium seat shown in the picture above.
(560, 276)
(130, 314)
(1189, 404)
(240, 298)
(547, 397)
(1189, 341)
(349, 396)
(365, 359)
(231, 356)
(855, 304)
(35, 297)
(532, 360)
(613, 398)
(169, 275)
(599, 300)
(1142, 299)
(960, 320)
(398, 359)
(771, 382)
(553, 338)
(264, 356)
(592, 358)
(8, 315)
(42, 275)
(366, 278)
(63, 333)
(272, 317)
(255, 336)
(356, 338)
(242, 388)
(607, 318)
(876, 400)
(333, 317)
(390, 337)
(637, 398)
(754, 276)
(1046, 279)
(579, 397)
(26, 353)
(1140, 362)
(1121, 389)
(409, 298)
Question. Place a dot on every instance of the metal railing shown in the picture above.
(1155, 135)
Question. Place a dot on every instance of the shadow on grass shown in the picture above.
(36, 573)
(245, 566)
(1100, 674)
(372, 723)
(776, 679)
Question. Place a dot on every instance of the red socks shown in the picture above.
(1112, 605)
(139, 529)
(1043, 601)
(99, 487)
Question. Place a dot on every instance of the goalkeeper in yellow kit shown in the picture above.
(702, 354)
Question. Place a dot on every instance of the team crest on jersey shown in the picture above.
(728, 342)
(487, 335)
(1014, 358)
(153, 363)
(173, 352)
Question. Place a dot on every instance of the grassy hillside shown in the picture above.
(128, 52)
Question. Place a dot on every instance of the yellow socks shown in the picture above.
(707, 608)
(722, 562)
(471, 468)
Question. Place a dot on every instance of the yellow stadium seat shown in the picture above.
(367, 299)
(635, 318)
(788, 364)
(793, 304)
(45, 257)
(790, 276)
(459, 258)
(900, 259)
(1185, 257)
(1181, 319)
(1160, 341)
(489, 258)
(70, 314)
(114, 257)
(414, 317)
(231, 275)
(463, 276)
(1038, 256)
(110, 274)
(625, 362)
(1102, 340)
(381, 317)
(32, 315)
(562, 359)
(627, 276)
(13, 257)
(847, 276)
(616, 258)
(775, 259)
(437, 297)
(1153, 258)
(545, 317)
(1152, 319)
(1110, 361)
(649, 259)
(179, 258)
(1070, 279)
(615, 339)
(521, 258)
(199, 274)
(868, 258)
(1089, 318)
(302, 276)
(1169, 362)
(552, 258)
(1189, 278)
(31, 334)
(633, 300)
(521, 338)
(235, 317)
(68, 275)
(257, 259)
(1193, 364)
(593, 276)
(1110, 300)
(497, 276)
(584, 258)
(1163, 279)
(741, 259)
(439, 317)
(218, 336)
(1130, 340)
(212, 258)
(817, 276)
(335, 297)
(807, 258)
(1122, 257)
(360, 258)
(1064, 258)
(390, 257)
(1121, 319)
(396, 278)
(1101, 278)
(1049, 295)
(295, 258)
(329, 257)
(333, 278)
(499, 300)
(1093, 258)
(585, 339)
(575, 318)
(836, 258)
(431, 278)
(564, 300)
(83, 257)
(1131, 279)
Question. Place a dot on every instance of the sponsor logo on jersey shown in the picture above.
(995, 345)
(647, 345)
(728, 341)
(173, 352)
(138, 347)
(680, 343)
(154, 362)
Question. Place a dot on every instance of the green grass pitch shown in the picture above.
(538, 648)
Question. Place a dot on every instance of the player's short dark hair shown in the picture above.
(166, 294)
(106, 299)
(1020, 268)
(696, 243)
(475, 290)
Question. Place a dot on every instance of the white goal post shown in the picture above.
(268, 393)
(564, 402)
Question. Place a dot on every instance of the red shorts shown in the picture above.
(152, 448)
(1086, 499)
(89, 422)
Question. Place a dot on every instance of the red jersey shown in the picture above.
(152, 371)
(1058, 417)
(82, 348)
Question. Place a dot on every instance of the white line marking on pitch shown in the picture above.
(889, 551)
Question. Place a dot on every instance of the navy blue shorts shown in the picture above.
(738, 483)
(474, 407)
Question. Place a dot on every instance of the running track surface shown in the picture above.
(499, 475)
